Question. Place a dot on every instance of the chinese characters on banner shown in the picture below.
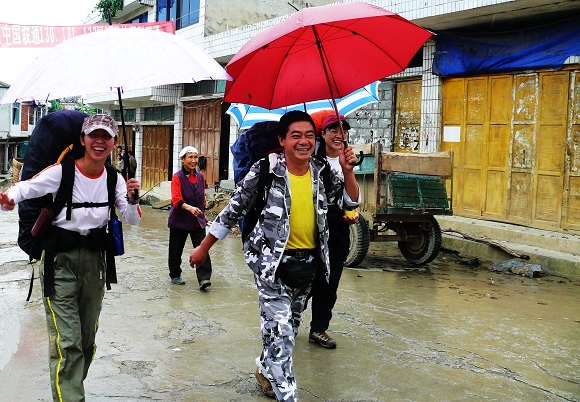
(14, 35)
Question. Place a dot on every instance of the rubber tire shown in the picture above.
(359, 242)
(425, 250)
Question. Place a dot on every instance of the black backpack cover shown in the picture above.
(53, 134)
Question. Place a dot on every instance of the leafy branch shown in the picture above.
(109, 5)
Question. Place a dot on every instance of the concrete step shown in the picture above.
(557, 253)
(551, 240)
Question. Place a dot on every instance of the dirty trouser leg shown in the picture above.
(177, 238)
(203, 272)
(324, 295)
(71, 318)
(280, 315)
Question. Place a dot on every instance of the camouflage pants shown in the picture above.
(280, 316)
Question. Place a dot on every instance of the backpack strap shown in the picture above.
(64, 193)
(265, 178)
(111, 275)
(111, 186)
(264, 181)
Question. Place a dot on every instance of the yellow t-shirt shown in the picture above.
(302, 216)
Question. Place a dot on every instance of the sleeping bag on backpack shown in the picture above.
(51, 136)
(258, 141)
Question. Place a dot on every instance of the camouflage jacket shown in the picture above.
(265, 245)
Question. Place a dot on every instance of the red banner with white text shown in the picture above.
(27, 36)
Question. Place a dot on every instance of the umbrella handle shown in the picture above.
(361, 156)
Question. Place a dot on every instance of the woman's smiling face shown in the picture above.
(98, 144)
(189, 161)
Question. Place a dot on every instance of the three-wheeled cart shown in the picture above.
(402, 194)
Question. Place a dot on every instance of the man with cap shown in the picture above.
(73, 279)
(324, 293)
(187, 217)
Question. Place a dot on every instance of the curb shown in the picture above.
(552, 262)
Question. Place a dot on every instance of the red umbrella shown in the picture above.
(322, 52)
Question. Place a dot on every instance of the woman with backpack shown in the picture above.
(73, 266)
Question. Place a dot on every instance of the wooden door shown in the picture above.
(522, 148)
(201, 129)
(408, 117)
(156, 151)
(130, 137)
(571, 204)
(516, 160)
(550, 155)
(496, 153)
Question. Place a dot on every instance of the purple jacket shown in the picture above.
(193, 194)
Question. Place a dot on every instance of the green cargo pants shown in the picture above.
(72, 318)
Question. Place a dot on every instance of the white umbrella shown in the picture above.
(113, 58)
(109, 59)
(247, 115)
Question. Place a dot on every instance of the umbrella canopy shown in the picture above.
(322, 52)
(109, 59)
(247, 115)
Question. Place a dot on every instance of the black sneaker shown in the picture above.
(204, 284)
(322, 339)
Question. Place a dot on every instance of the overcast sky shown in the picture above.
(36, 12)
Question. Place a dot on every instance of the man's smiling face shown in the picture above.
(299, 142)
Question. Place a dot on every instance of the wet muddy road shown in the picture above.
(445, 333)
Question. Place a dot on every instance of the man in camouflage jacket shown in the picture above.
(281, 304)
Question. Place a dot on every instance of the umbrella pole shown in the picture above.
(334, 105)
(326, 74)
(123, 124)
(136, 193)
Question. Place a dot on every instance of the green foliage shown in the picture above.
(112, 5)
(55, 106)
(85, 108)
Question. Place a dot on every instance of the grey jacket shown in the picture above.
(265, 245)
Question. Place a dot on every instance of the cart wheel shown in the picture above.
(359, 242)
(425, 249)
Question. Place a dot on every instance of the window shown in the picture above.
(39, 112)
(204, 87)
(164, 113)
(128, 115)
(189, 13)
(31, 115)
(16, 114)
(166, 10)
(417, 60)
(183, 12)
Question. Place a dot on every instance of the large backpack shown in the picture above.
(55, 137)
(258, 141)
(252, 145)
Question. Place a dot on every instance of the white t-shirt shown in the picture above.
(335, 164)
(86, 189)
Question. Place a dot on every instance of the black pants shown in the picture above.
(177, 238)
(323, 294)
